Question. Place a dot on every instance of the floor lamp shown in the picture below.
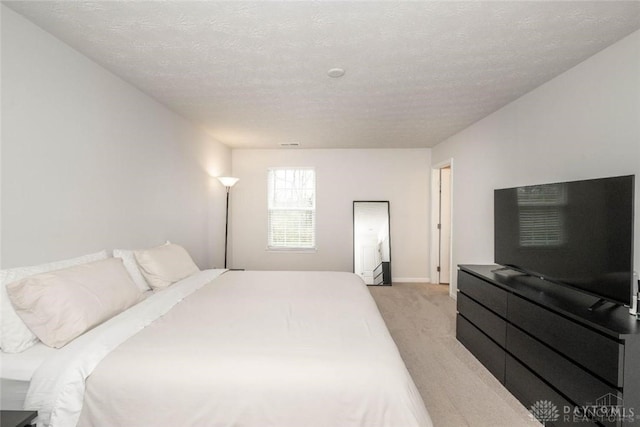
(228, 182)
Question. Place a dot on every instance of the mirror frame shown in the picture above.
(353, 231)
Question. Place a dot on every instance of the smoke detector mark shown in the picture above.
(336, 73)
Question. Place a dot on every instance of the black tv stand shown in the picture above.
(551, 343)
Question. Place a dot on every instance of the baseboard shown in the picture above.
(411, 280)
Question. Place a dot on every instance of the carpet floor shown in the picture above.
(457, 390)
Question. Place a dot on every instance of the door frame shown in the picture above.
(435, 215)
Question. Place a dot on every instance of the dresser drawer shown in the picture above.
(490, 354)
(595, 352)
(485, 293)
(573, 381)
(531, 390)
(485, 320)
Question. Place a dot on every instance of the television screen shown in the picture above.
(576, 233)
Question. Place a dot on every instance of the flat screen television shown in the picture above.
(578, 234)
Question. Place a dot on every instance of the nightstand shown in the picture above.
(17, 418)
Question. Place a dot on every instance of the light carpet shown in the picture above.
(457, 390)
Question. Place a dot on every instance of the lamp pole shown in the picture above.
(226, 229)
(228, 182)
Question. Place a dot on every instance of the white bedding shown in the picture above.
(21, 366)
(57, 387)
(249, 348)
(13, 394)
(16, 370)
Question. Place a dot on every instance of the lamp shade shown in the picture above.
(228, 181)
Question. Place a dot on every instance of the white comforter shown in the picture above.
(248, 349)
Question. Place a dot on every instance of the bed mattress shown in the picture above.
(21, 366)
(249, 348)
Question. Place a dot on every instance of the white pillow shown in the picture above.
(60, 305)
(165, 265)
(130, 263)
(15, 336)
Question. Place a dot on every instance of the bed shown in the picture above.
(233, 348)
(16, 371)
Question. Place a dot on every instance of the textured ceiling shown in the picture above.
(254, 74)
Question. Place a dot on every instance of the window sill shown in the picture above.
(292, 250)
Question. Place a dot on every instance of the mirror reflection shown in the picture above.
(371, 242)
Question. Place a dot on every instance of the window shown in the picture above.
(292, 208)
(541, 215)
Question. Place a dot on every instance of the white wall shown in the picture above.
(89, 162)
(583, 124)
(342, 176)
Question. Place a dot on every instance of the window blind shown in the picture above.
(292, 208)
(541, 215)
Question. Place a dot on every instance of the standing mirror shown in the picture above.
(372, 242)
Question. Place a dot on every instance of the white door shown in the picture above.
(445, 225)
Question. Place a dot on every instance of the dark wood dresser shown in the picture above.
(549, 350)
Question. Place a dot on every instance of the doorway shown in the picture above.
(442, 203)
